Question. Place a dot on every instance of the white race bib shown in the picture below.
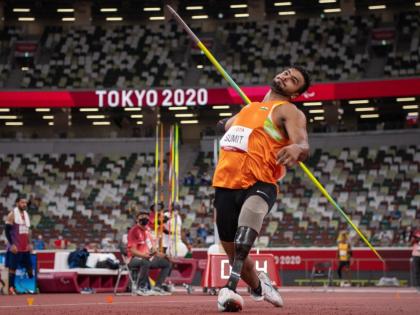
(23, 229)
(236, 139)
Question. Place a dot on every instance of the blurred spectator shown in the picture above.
(107, 244)
(205, 179)
(406, 234)
(124, 238)
(344, 254)
(39, 243)
(171, 232)
(33, 204)
(189, 180)
(202, 210)
(131, 210)
(396, 214)
(199, 242)
(61, 243)
(384, 238)
(189, 238)
(152, 215)
(202, 232)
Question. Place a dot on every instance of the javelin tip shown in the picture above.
(170, 8)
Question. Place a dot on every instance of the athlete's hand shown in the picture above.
(14, 249)
(289, 155)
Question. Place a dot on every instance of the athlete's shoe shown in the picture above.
(269, 293)
(144, 292)
(256, 297)
(229, 301)
(160, 291)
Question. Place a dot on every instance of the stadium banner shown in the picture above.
(201, 96)
(301, 258)
(217, 270)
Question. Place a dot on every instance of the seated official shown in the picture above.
(144, 256)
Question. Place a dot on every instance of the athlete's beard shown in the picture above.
(276, 88)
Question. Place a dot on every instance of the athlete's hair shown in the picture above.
(20, 197)
(306, 77)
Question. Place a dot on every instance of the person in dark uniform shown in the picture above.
(19, 245)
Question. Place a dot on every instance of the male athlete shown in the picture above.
(344, 254)
(260, 141)
(19, 245)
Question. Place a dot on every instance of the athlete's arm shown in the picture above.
(8, 229)
(10, 220)
(294, 121)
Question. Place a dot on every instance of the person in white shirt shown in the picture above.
(171, 237)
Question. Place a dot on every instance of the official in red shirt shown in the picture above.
(143, 254)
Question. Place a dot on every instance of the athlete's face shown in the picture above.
(22, 204)
(288, 83)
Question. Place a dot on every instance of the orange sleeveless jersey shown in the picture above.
(248, 149)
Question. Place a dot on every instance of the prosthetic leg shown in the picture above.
(250, 221)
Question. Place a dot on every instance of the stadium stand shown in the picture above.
(78, 197)
(8, 37)
(332, 48)
(85, 197)
(404, 60)
(370, 184)
(126, 56)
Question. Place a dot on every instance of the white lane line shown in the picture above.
(354, 291)
(104, 303)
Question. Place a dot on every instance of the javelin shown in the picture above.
(245, 98)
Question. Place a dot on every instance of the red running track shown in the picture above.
(342, 302)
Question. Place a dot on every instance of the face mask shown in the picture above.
(143, 221)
